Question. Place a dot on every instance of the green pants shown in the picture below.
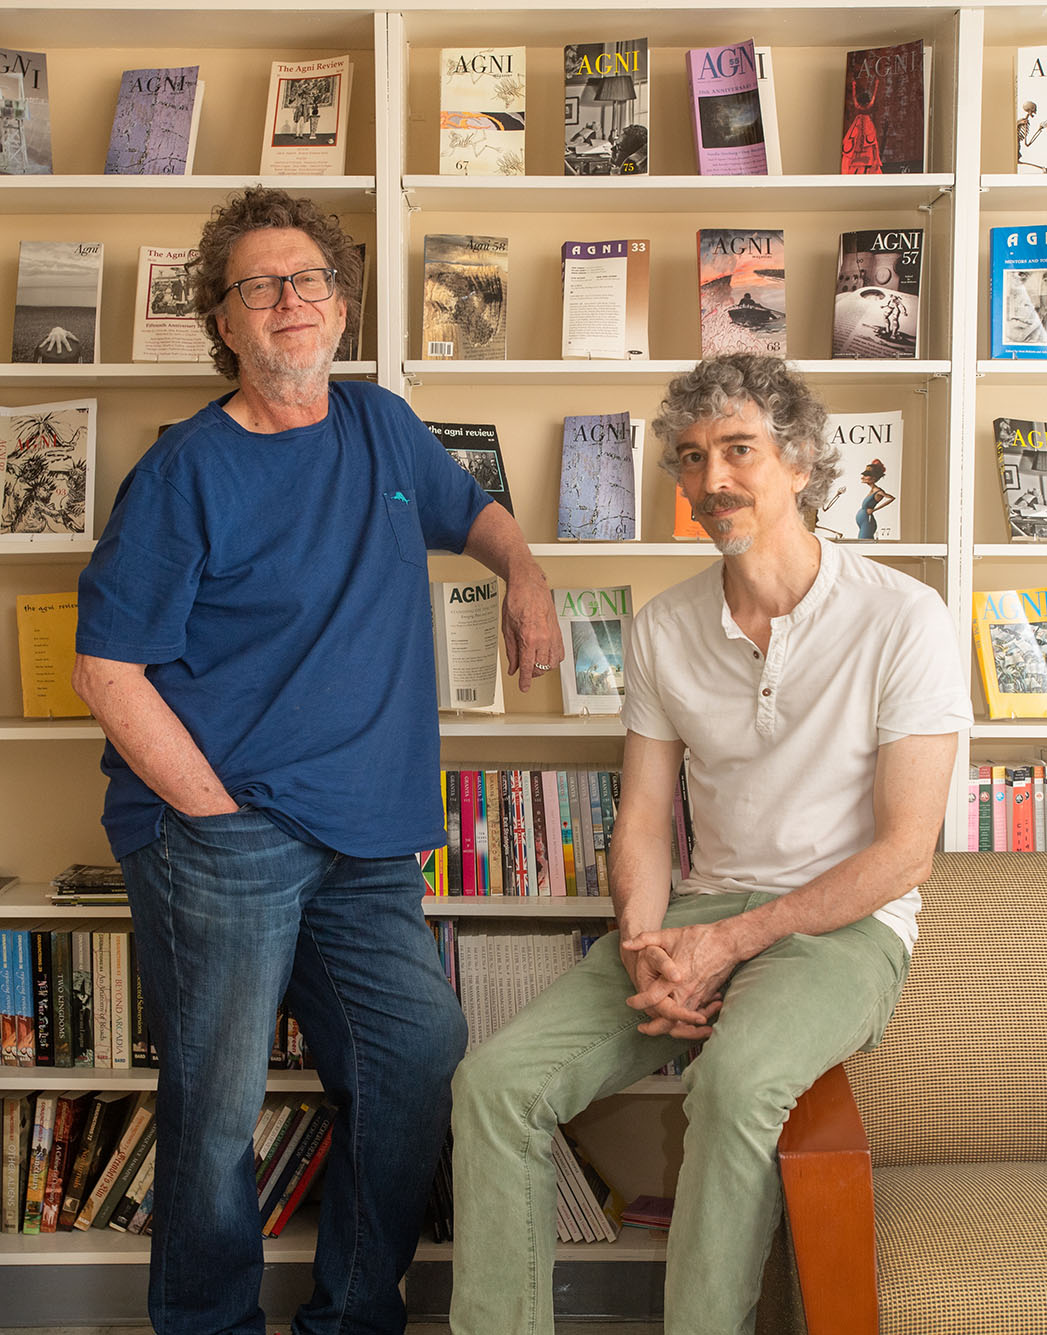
(789, 1015)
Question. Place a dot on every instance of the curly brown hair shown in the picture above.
(255, 208)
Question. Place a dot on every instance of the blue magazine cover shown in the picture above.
(1018, 291)
(597, 489)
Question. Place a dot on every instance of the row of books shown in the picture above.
(1006, 808)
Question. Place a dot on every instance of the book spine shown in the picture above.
(302, 1143)
(61, 1161)
(312, 1166)
(101, 973)
(999, 808)
(483, 867)
(39, 1160)
(554, 841)
(43, 1010)
(135, 1194)
(8, 1023)
(119, 992)
(107, 1179)
(493, 801)
(566, 833)
(505, 821)
(129, 1169)
(454, 833)
(972, 809)
(680, 828)
(82, 1000)
(467, 781)
(1039, 808)
(592, 884)
(985, 808)
(519, 827)
(542, 878)
(12, 1166)
(141, 1221)
(25, 1027)
(599, 842)
(139, 1025)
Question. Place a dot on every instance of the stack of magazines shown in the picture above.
(83, 884)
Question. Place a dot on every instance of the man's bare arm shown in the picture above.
(149, 735)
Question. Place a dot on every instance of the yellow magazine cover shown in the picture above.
(46, 638)
(1010, 636)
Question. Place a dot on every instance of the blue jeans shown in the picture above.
(231, 914)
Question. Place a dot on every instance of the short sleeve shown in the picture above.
(641, 710)
(923, 688)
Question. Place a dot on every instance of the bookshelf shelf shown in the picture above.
(638, 373)
(138, 375)
(171, 194)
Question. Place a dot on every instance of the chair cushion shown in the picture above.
(962, 1248)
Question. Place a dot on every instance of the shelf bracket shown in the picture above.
(943, 193)
(408, 202)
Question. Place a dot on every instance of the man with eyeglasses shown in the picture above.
(255, 640)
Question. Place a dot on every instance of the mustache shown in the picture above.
(722, 500)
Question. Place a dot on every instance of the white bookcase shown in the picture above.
(953, 535)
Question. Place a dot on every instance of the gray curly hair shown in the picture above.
(791, 413)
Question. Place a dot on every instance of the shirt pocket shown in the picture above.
(402, 511)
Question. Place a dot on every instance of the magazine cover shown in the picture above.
(877, 308)
(25, 114)
(1018, 292)
(47, 470)
(1021, 454)
(465, 639)
(307, 117)
(866, 503)
(883, 116)
(1030, 96)
(475, 447)
(595, 624)
(46, 638)
(166, 327)
(741, 291)
(606, 108)
(606, 293)
(768, 109)
(597, 480)
(1010, 636)
(465, 298)
(57, 302)
(482, 97)
(725, 110)
(155, 124)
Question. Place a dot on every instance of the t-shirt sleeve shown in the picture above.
(449, 497)
(137, 591)
(923, 688)
(642, 711)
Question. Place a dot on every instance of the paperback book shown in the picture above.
(475, 447)
(166, 327)
(482, 101)
(741, 290)
(595, 624)
(606, 108)
(155, 123)
(1010, 637)
(47, 470)
(606, 292)
(1030, 96)
(1021, 455)
(465, 641)
(307, 117)
(768, 109)
(883, 117)
(46, 636)
(25, 114)
(876, 312)
(597, 479)
(465, 298)
(350, 349)
(725, 110)
(57, 301)
(686, 529)
(1018, 292)
(866, 502)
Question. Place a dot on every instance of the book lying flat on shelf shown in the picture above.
(725, 110)
(1021, 456)
(1030, 100)
(57, 301)
(46, 636)
(883, 118)
(155, 123)
(475, 447)
(465, 639)
(25, 114)
(1018, 292)
(606, 292)
(482, 100)
(47, 470)
(595, 624)
(166, 327)
(465, 298)
(597, 479)
(88, 876)
(1010, 636)
(606, 108)
(741, 290)
(876, 312)
(866, 502)
(307, 117)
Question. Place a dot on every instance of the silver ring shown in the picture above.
(543, 667)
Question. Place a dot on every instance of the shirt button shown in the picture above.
(756, 653)
(766, 691)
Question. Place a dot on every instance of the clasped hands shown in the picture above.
(679, 974)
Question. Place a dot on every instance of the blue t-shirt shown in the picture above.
(277, 587)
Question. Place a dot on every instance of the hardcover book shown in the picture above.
(606, 108)
(597, 480)
(725, 110)
(606, 292)
(465, 640)
(155, 123)
(883, 117)
(876, 312)
(1030, 97)
(741, 290)
(465, 298)
(47, 470)
(307, 117)
(475, 447)
(482, 99)
(1021, 455)
(1018, 292)
(1010, 636)
(595, 624)
(57, 301)
(25, 114)
(166, 327)
(46, 635)
(866, 503)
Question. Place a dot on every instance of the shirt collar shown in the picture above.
(828, 569)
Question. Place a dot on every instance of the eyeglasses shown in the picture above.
(264, 290)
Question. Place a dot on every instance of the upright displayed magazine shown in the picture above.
(475, 447)
(768, 109)
(155, 123)
(883, 117)
(685, 528)
(47, 470)
(866, 502)
(482, 101)
(465, 298)
(741, 290)
(350, 349)
(25, 114)
(57, 301)
(1021, 454)
(46, 649)
(166, 327)
(877, 308)
(1010, 636)
(597, 480)
(725, 110)
(1030, 99)
(307, 117)
(595, 624)
(606, 293)
(606, 108)
(465, 639)
(1018, 292)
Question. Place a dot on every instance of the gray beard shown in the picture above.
(732, 546)
(289, 384)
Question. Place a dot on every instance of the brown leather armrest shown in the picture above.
(827, 1183)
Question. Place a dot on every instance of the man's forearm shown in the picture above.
(640, 872)
(497, 541)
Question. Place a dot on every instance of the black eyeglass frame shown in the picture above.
(284, 278)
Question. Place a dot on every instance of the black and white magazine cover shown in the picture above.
(56, 306)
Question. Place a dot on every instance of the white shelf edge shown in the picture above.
(553, 726)
(1011, 550)
(138, 374)
(1012, 366)
(1006, 730)
(524, 371)
(699, 550)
